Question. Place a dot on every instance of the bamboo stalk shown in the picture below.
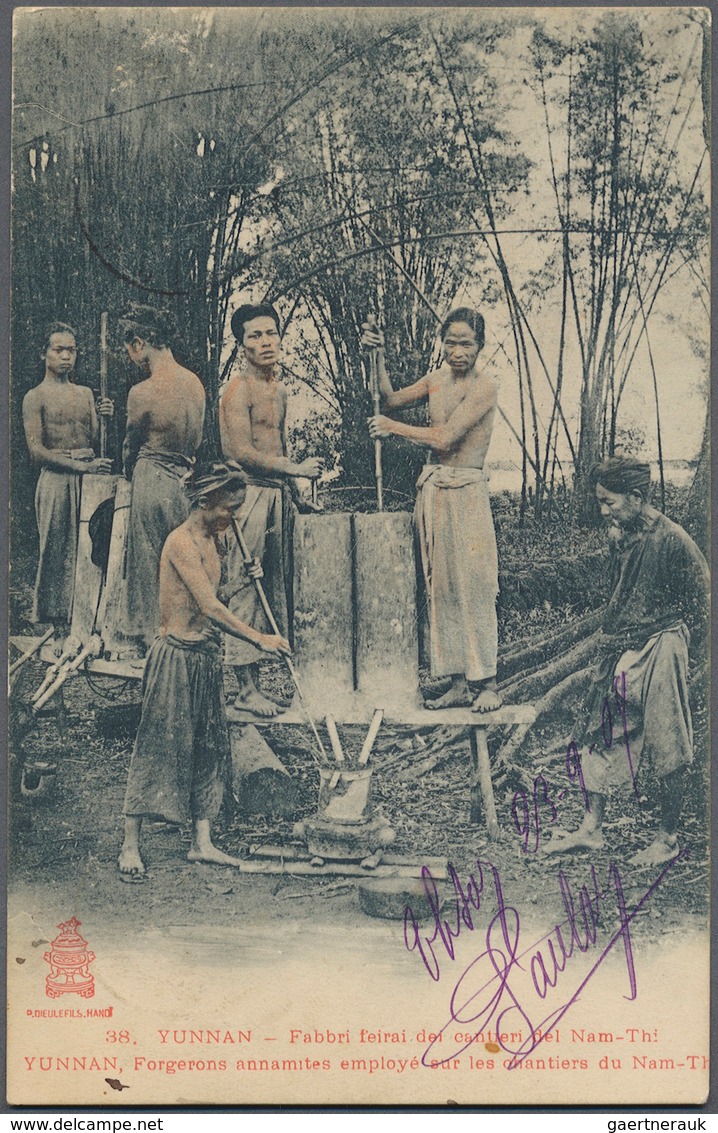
(103, 380)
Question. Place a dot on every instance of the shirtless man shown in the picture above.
(61, 431)
(165, 417)
(181, 756)
(453, 515)
(252, 413)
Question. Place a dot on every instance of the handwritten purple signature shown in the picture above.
(505, 984)
(527, 807)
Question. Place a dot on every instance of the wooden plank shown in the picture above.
(95, 490)
(357, 710)
(114, 641)
(323, 615)
(387, 647)
(482, 789)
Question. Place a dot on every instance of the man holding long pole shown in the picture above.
(252, 417)
(180, 762)
(453, 515)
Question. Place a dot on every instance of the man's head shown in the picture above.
(256, 327)
(219, 494)
(146, 327)
(622, 486)
(59, 351)
(462, 333)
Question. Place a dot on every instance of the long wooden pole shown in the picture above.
(374, 387)
(29, 653)
(271, 619)
(103, 380)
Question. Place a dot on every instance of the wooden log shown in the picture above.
(323, 611)
(545, 648)
(261, 783)
(538, 683)
(115, 643)
(387, 647)
(482, 791)
(88, 577)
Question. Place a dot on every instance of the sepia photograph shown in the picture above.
(359, 599)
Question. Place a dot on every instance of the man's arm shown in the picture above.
(185, 558)
(52, 458)
(235, 429)
(442, 439)
(134, 433)
(197, 424)
(391, 398)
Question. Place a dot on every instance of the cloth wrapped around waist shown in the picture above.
(176, 463)
(74, 454)
(210, 643)
(450, 476)
(265, 481)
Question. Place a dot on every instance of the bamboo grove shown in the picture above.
(341, 162)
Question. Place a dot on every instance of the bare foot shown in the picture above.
(257, 703)
(488, 699)
(132, 868)
(436, 688)
(458, 696)
(210, 853)
(662, 849)
(579, 840)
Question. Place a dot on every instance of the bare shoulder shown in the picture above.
(87, 393)
(489, 382)
(236, 392)
(192, 382)
(179, 545)
(33, 399)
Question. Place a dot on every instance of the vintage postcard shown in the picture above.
(359, 619)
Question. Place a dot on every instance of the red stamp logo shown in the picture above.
(69, 962)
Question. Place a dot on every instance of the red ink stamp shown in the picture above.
(69, 962)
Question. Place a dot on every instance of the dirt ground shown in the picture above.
(64, 843)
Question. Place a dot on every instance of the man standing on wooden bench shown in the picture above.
(252, 414)
(659, 603)
(181, 758)
(165, 417)
(453, 518)
(61, 430)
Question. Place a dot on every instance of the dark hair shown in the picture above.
(622, 474)
(465, 315)
(249, 311)
(153, 325)
(57, 328)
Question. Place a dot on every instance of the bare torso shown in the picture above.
(166, 411)
(446, 394)
(180, 613)
(60, 416)
(252, 414)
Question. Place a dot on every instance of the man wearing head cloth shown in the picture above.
(252, 415)
(165, 416)
(658, 605)
(181, 756)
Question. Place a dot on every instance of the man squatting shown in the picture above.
(61, 430)
(454, 525)
(181, 757)
(252, 416)
(658, 603)
(165, 417)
